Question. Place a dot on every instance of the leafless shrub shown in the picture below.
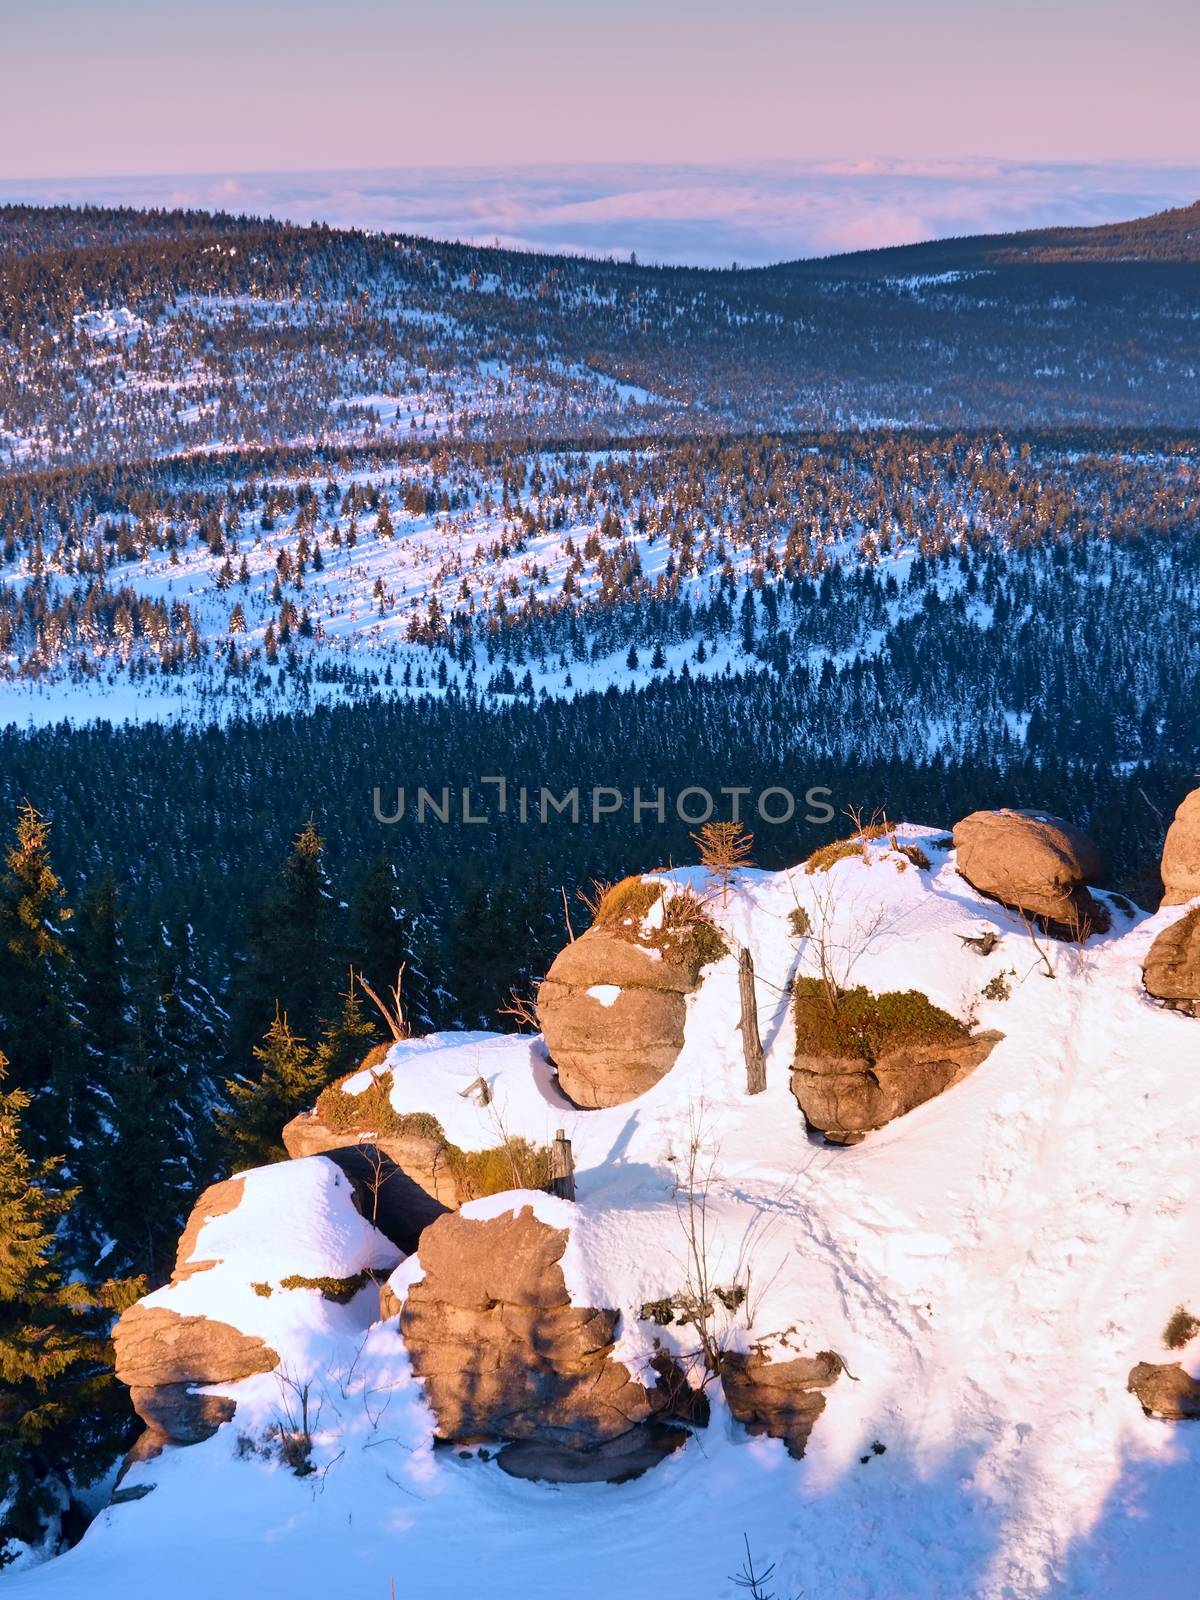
(392, 1009)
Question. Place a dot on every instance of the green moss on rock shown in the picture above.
(865, 1025)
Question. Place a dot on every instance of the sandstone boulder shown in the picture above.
(161, 1355)
(1181, 854)
(1166, 1391)
(156, 1346)
(781, 1399)
(876, 1058)
(1172, 969)
(612, 1014)
(1032, 861)
(504, 1353)
(845, 1097)
(175, 1414)
(615, 1461)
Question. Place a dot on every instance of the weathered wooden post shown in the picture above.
(756, 1061)
(562, 1167)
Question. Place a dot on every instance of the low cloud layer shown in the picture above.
(707, 216)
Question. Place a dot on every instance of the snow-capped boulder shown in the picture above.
(872, 1058)
(269, 1254)
(1033, 861)
(1181, 853)
(1172, 969)
(781, 1399)
(505, 1354)
(612, 1007)
(1166, 1391)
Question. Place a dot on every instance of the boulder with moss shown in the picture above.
(1172, 969)
(863, 1059)
(1181, 853)
(506, 1355)
(1035, 862)
(613, 1005)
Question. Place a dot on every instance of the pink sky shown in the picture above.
(92, 87)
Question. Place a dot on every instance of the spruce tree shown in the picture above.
(63, 1417)
(290, 961)
(347, 1039)
(289, 1079)
(38, 1028)
(383, 935)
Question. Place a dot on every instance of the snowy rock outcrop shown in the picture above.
(1181, 853)
(406, 1173)
(1172, 970)
(491, 1327)
(613, 1005)
(1033, 861)
(781, 1399)
(226, 1312)
(875, 1057)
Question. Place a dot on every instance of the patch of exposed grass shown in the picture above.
(687, 935)
(830, 854)
(868, 1025)
(516, 1164)
(997, 988)
(1181, 1329)
(341, 1290)
(623, 907)
(372, 1111)
(264, 1290)
(799, 922)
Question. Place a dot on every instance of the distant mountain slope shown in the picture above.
(1166, 236)
(127, 335)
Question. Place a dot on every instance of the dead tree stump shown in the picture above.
(562, 1167)
(756, 1061)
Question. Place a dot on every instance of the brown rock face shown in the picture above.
(175, 1414)
(845, 1097)
(616, 1461)
(160, 1355)
(216, 1201)
(506, 1355)
(781, 1399)
(608, 1054)
(1036, 862)
(1172, 969)
(156, 1346)
(1166, 1391)
(1181, 854)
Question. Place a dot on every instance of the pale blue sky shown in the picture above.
(90, 87)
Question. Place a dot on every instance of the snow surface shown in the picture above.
(989, 1268)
